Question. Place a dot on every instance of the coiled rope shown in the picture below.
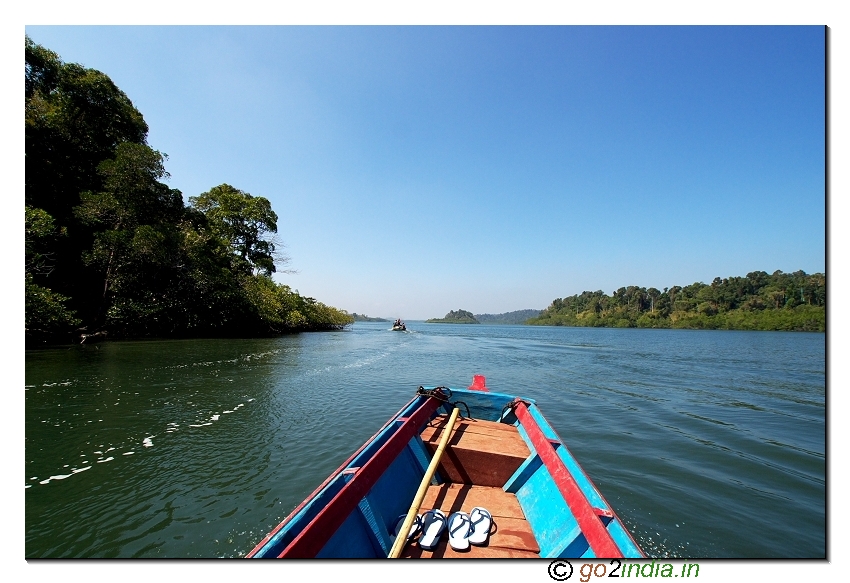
(443, 394)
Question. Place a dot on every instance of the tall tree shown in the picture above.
(242, 221)
(134, 220)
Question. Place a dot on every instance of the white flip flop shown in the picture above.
(433, 523)
(460, 527)
(481, 522)
(415, 528)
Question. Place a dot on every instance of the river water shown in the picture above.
(706, 443)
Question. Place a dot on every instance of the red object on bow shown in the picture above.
(478, 383)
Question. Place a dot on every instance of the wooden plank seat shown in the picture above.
(510, 535)
(483, 453)
(480, 457)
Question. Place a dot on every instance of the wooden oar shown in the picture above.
(401, 539)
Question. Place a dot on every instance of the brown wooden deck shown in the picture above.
(479, 459)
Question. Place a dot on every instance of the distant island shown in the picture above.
(760, 301)
(516, 317)
(364, 318)
(459, 317)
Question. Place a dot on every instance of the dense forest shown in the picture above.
(111, 249)
(515, 317)
(781, 301)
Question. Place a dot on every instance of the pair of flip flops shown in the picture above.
(464, 529)
(430, 524)
(472, 528)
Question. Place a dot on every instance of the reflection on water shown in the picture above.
(708, 444)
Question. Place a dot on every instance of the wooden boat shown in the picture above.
(502, 455)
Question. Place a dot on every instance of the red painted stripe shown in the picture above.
(591, 526)
(321, 487)
(316, 534)
(559, 442)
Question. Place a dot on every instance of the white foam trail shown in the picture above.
(59, 477)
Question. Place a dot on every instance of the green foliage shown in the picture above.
(458, 317)
(516, 317)
(241, 221)
(364, 318)
(781, 301)
(45, 311)
(75, 118)
(284, 310)
(109, 245)
(39, 230)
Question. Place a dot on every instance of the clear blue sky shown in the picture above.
(416, 170)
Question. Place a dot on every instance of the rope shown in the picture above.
(510, 407)
(438, 393)
(443, 394)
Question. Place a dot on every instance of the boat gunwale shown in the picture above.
(331, 477)
(592, 483)
(535, 411)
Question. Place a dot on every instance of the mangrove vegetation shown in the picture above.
(515, 317)
(759, 301)
(112, 249)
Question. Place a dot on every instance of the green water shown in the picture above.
(707, 443)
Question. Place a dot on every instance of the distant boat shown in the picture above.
(399, 328)
(523, 493)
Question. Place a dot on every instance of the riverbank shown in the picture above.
(797, 319)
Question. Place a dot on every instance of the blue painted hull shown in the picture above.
(352, 513)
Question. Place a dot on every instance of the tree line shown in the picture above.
(455, 317)
(111, 248)
(759, 301)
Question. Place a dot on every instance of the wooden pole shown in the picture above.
(401, 539)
